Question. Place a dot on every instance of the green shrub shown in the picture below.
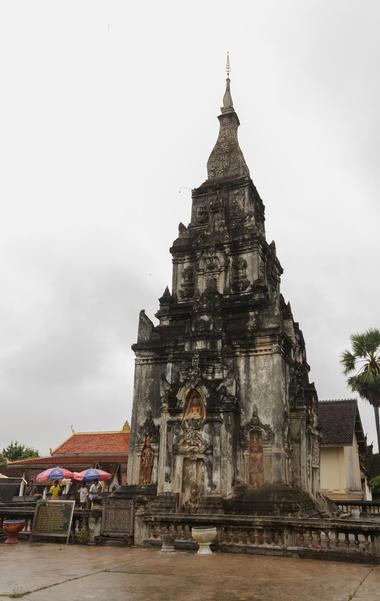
(375, 484)
(83, 536)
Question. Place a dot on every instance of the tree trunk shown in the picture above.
(376, 410)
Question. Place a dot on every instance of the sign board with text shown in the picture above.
(53, 519)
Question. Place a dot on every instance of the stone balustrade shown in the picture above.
(325, 538)
(85, 526)
(366, 508)
(329, 538)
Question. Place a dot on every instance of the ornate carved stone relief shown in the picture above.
(255, 425)
(210, 263)
(191, 437)
(252, 321)
(195, 409)
(146, 461)
(226, 159)
(148, 428)
(256, 459)
(237, 204)
(315, 452)
(239, 280)
(202, 212)
(187, 286)
(192, 503)
(228, 391)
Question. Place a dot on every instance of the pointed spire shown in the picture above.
(226, 161)
(166, 297)
(228, 105)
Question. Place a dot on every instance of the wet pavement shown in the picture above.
(42, 572)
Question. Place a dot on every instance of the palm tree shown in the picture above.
(362, 365)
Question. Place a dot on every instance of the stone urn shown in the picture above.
(12, 529)
(168, 542)
(204, 537)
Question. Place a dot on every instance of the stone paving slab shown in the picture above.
(76, 573)
(25, 567)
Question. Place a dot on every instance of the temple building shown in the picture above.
(107, 450)
(344, 451)
(222, 398)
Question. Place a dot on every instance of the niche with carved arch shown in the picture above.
(195, 407)
(256, 459)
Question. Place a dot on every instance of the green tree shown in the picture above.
(362, 366)
(375, 484)
(15, 451)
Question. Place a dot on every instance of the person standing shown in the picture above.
(94, 490)
(83, 495)
(55, 490)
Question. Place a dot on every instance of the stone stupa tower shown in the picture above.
(222, 400)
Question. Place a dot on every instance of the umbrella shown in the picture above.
(53, 473)
(92, 474)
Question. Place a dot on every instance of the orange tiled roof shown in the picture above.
(66, 460)
(94, 443)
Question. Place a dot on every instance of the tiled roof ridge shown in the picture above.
(28, 459)
(65, 458)
(99, 434)
(337, 400)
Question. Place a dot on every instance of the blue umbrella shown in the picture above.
(54, 473)
(93, 474)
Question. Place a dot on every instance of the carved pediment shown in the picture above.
(255, 425)
(148, 429)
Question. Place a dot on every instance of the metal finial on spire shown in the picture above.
(227, 99)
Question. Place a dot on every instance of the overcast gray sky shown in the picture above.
(107, 110)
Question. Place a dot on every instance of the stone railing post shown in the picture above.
(376, 544)
(142, 528)
(94, 523)
(289, 537)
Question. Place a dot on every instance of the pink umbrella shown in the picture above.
(92, 474)
(54, 473)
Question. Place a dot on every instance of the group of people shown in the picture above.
(85, 495)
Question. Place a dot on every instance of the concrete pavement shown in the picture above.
(42, 572)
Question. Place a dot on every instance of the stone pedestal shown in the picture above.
(120, 513)
(204, 537)
(168, 542)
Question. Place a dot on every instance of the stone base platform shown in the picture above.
(280, 500)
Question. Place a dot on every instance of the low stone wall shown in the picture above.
(322, 538)
(85, 527)
(339, 539)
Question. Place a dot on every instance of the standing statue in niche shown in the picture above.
(239, 280)
(256, 460)
(146, 462)
(195, 408)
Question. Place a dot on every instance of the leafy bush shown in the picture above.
(375, 483)
(83, 536)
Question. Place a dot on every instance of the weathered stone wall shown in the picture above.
(222, 396)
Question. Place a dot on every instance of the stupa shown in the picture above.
(224, 414)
